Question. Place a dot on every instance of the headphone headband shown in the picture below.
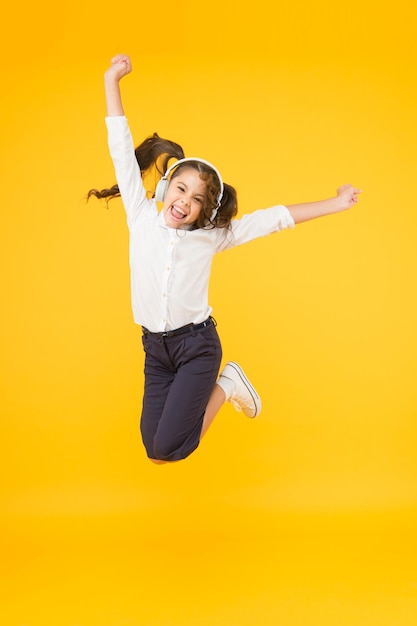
(163, 183)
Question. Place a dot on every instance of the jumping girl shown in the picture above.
(171, 252)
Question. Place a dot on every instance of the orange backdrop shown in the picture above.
(290, 101)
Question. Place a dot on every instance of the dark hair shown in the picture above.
(148, 154)
(212, 215)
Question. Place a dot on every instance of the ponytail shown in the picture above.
(227, 209)
(155, 152)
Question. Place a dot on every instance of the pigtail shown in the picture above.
(153, 156)
(227, 209)
(153, 152)
(213, 216)
(107, 194)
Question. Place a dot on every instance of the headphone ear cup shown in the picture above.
(161, 189)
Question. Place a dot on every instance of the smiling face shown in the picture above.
(185, 198)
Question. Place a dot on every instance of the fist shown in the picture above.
(347, 196)
(120, 66)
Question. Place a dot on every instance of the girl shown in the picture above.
(170, 258)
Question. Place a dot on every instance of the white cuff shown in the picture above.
(285, 219)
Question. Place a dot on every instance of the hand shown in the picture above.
(347, 196)
(120, 67)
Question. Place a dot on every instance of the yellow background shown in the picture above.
(306, 516)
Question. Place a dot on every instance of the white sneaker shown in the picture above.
(244, 397)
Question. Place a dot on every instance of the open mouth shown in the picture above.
(177, 213)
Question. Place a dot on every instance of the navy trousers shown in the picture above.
(180, 373)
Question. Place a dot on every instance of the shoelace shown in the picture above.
(236, 404)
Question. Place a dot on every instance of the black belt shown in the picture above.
(180, 331)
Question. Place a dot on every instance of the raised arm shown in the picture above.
(120, 67)
(347, 196)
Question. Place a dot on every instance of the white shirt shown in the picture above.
(170, 268)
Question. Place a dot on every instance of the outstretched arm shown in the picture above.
(120, 67)
(347, 196)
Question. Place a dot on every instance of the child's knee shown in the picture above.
(165, 454)
(158, 461)
(168, 452)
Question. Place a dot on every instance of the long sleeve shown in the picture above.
(126, 167)
(259, 223)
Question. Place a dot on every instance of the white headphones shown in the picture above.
(162, 185)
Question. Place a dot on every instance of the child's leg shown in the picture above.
(181, 398)
(233, 386)
(215, 403)
(217, 399)
(158, 381)
(180, 374)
